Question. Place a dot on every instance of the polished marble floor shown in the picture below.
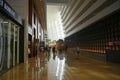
(63, 67)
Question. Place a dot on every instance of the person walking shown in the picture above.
(77, 52)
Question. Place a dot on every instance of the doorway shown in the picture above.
(9, 44)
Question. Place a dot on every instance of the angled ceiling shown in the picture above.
(57, 1)
(41, 9)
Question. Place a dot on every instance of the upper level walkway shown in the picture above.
(63, 67)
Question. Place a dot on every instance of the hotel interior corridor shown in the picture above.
(63, 67)
(90, 28)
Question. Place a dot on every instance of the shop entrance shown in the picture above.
(9, 44)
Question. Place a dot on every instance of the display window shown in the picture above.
(9, 43)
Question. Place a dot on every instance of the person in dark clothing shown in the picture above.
(53, 49)
(77, 52)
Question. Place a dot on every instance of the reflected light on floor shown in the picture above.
(60, 68)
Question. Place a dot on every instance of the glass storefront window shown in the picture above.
(3, 43)
(9, 44)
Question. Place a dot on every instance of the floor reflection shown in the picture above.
(55, 66)
(60, 67)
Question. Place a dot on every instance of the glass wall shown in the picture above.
(101, 39)
(9, 44)
(55, 29)
(3, 43)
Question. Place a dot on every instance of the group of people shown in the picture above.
(60, 48)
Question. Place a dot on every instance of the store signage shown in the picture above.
(1, 2)
(10, 10)
(5, 6)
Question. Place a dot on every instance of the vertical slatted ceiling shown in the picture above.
(99, 9)
(67, 9)
(72, 20)
(57, 1)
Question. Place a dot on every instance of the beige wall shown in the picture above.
(21, 8)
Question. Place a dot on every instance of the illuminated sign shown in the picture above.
(6, 7)
(1, 2)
